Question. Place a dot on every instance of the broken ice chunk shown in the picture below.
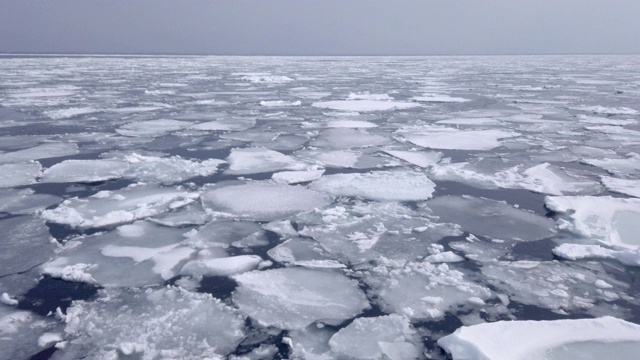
(144, 323)
(226, 124)
(435, 137)
(345, 138)
(439, 98)
(605, 337)
(622, 186)
(295, 177)
(293, 298)
(258, 160)
(420, 158)
(43, 151)
(364, 105)
(622, 167)
(221, 266)
(19, 174)
(87, 171)
(25, 243)
(108, 208)
(261, 200)
(303, 252)
(384, 337)
(378, 185)
(20, 332)
(491, 218)
(168, 170)
(152, 128)
(25, 201)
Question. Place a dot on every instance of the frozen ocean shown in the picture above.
(471, 207)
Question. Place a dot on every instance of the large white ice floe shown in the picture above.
(150, 324)
(226, 233)
(439, 98)
(607, 110)
(365, 105)
(435, 137)
(591, 252)
(601, 219)
(378, 185)
(419, 158)
(19, 174)
(44, 151)
(152, 128)
(220, 266)
(280, 103)
(366, 231)
(422, 290)
(295, 177)
(21, 333)
(384, 337)
(490, 218)
(345, 138)
(303, 252)
(168, 170)
(261, 200)
(25, 201)
(108, 208)
(293, 298)
(226, 124)
(147, 253)
(622, 167)
(25, 243)
(87, 171)
(629, 187)
(258, 160)
(343, 159)
(605, 337)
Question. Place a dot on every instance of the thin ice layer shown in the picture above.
(268, 200)
(617, 339)
(19, 174)
(144, 324)
(108, 208)
(292, 298)
(378, 185)
(25, 243)
(611, 221)
(490, 218)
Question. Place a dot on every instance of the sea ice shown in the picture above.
(226, 124)
(108, 208)
(165, 323)
(378, 185)
(623, 167)
(25, 243)
(295, 177)
(221, 266)
(490, 218)
(280, 103)
(629, 187)
(19, 174)
(605, 337)
(44, 151)
(350, 124)
(435, 137)
(342, 159)
(259, 160)
(364, 105)
(260, 200)
(303, 252)
(20, 331)
(168, 170)
(293, 298)
(605, 219)
(345, 138)
(225, 233)
(439, 98)
(86, 171)
(152, 128)
(384, 337)
(419, 158)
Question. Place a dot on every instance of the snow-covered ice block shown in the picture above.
(421, 290)
(364, 105)
(25, 243)
(44, 151)
(295, 177)
(137, 254)
(303, 252)
(605, 337)
(168, 170)
(378, 185)
(418, 158)
(165, 323)
(435, 137)
(384, 337)
(259, 160)
(152, 128)
(611, 221)
(19, 174)
(293, 298)
(346, 138)
(261, 200)
(87, 171)
(444, 257)
(108, 208)
(490, 218)
(580, 251)
(629, 187)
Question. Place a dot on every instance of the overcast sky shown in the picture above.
(320, 27)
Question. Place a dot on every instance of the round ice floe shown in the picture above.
(384, 337)
(605, 337)
(378, 185)
(293, 298)
(261, 200)
(491, 218)
(149, 324)
(84, 171)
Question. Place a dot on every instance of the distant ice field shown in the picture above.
(471, 207)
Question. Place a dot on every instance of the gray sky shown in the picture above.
(320, 27)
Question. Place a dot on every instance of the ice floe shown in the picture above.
(144, 323)
(21, 331)
(629, 187)
(258, 160)
(280, 103)
(558, 339)
(439, 98)
(293, 298)
(19, 174)
(108, 208)
(378, 185)
(624, 167)
(44, 151)
(419, 158)
(261, 200)
(295, 177)
(303, 252)
(152, 128)
(345, 138)
(435, 137)
(86, 171)
(168, 170)
(364, 105)
(582, 252)
(226, 124)
(25, 201)
(25, 243)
